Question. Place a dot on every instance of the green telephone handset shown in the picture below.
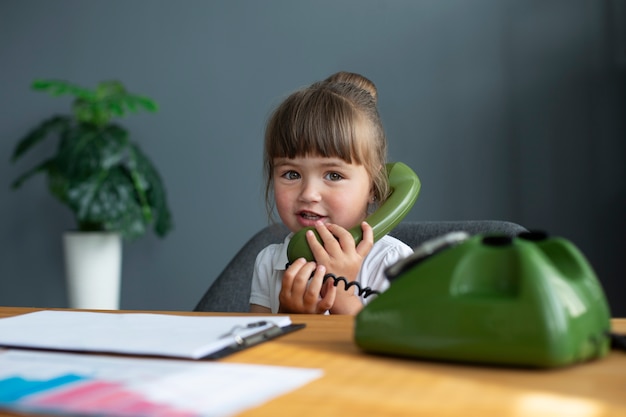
(405, 186)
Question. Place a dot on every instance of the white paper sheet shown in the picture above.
(190, 337)
(95, 385)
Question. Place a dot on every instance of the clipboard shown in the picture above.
(240, 343)
(193, 337)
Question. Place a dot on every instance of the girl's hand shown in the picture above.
(301, 293)
(343, 258)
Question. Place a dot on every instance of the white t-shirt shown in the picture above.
(271, 262)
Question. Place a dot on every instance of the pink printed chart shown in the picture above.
(86, 385)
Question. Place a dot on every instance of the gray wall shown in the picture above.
(506, 109)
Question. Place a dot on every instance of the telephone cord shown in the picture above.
(364, 292)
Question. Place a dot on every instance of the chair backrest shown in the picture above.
(230, 292)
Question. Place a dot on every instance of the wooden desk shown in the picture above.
(358, 384)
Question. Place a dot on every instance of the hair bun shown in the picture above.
(355, 79)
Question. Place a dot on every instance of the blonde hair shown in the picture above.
(322, 120)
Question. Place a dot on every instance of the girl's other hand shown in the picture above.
(301, 292)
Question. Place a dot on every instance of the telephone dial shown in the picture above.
(405, 186)
(532, 300)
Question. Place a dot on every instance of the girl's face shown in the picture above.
(311, 189)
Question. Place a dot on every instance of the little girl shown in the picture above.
(325, 154)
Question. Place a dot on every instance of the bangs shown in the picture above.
(316, 122)
(335, 118)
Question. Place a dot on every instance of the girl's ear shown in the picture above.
(371, 204)
(372, 196)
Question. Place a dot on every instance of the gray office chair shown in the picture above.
(230, 292)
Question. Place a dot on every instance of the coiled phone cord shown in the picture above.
(364, 292)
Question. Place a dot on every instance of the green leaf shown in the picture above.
(141, 185)
(59, 87)
(108, 199)
(88, 149)
(116, 109)
(108, 89)
(83, 111)
(54, 124)
(156, 194)
(58, 184)
(38, 169)
(147, 103)
(130, 103)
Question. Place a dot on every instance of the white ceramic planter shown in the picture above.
(93, 266)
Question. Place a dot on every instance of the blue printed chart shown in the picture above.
(83, 384)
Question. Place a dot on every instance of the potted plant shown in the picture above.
(104, 178)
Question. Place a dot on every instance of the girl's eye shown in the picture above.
(291, 175)
(334, 176)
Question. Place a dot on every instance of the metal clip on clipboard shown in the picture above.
(268, 331)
